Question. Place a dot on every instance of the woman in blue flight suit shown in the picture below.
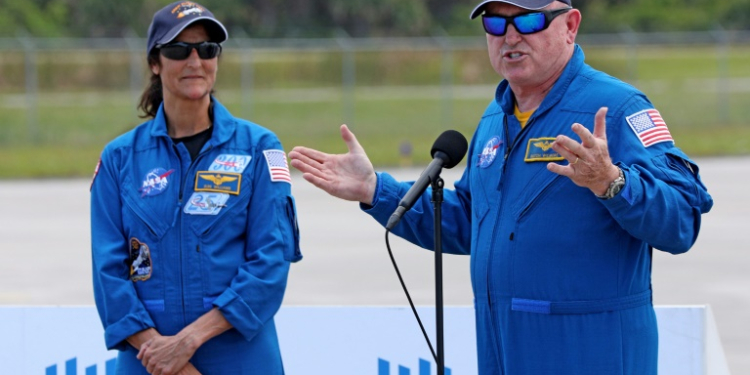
(192, 218)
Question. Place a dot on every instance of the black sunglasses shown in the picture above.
(181, 50)
(525, 23)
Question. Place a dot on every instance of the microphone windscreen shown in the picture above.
(453, 144)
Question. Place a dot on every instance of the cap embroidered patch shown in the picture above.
(140, 260)
(187, 8)
(540, 149)
(489, 153)
(218, 182)
(206, 203)
(277, 166)
(155, 182)
(230, 163)
(649, 127)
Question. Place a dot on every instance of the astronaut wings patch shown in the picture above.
(649, 127)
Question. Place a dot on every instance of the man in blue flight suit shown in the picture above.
(560, 231)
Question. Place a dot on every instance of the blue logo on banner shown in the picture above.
(71, 368)
(384, 368)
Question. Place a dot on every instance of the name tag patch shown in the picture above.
(218, 182)
(140, 260)
(230, 163)
(540, 149)
(206, 203)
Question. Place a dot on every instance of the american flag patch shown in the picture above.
(649, 127)
(277, 165)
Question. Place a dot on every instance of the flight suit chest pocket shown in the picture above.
(485, 182)
(485, 175)
(143, 212)
(536, 192)
(219, 226)
(145, 229)
(205, 210)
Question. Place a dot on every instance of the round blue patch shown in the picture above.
(489, 153)
(155, 182)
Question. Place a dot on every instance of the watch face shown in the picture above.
(614, 187)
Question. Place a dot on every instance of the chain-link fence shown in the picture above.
(81, 93)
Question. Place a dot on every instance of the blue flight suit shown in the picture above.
(173, 238)
(561, 278)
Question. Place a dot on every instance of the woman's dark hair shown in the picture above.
(152, 96)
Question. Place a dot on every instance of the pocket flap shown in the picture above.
(157, 226)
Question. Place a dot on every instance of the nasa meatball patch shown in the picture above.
(489, 152)
(155, 182)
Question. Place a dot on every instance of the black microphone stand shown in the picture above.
(437, 201)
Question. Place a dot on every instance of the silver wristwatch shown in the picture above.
(614, 187)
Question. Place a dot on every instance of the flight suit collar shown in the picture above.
(504, 95)
(224, 124)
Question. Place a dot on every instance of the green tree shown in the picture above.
(359, 18)
(37, 17)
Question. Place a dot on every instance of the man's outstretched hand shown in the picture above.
(348, 176)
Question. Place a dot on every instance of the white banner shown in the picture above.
(331, 341)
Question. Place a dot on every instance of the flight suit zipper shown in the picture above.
(509, 146)
(180, 223)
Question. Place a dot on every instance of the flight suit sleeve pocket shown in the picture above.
(680, 172)
(287, 215)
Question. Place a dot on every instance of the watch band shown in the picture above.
(614, 187)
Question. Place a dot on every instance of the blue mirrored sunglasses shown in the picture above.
(525, 23)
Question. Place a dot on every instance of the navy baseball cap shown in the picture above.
(173, 18)
(525, 4)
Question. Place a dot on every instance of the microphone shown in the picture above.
(447, 151)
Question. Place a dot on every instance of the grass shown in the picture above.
(398, 99)
(70, 141)
(381, 126)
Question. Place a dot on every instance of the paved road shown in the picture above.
(44, 242)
